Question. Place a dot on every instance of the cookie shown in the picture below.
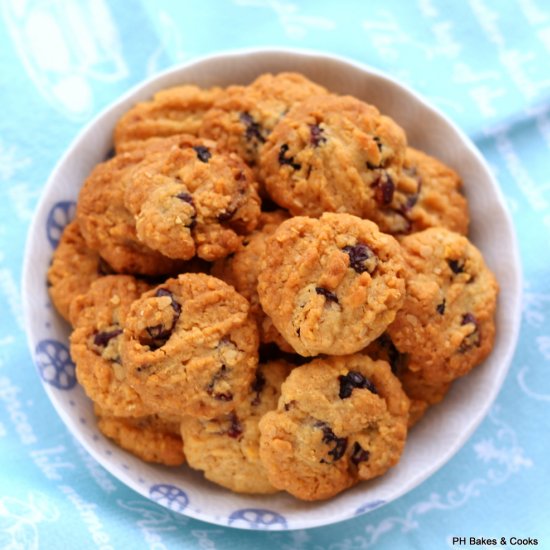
(331, 285)
(109, 228)
(190, 347)
(177, 110)
(426, 193)
(446, 325)
(73, 269)
(339, 420)
(98, 317)
(226, 448)
(151, 438)
(332, 154)
(241, 270)
(421, 393)
(192, 200)
(242, 118)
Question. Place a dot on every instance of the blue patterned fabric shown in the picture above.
(484, 63)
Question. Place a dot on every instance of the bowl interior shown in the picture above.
(444, 429)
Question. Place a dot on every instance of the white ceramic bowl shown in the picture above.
(444, 429)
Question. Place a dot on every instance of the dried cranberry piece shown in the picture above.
(384, 188)
(316, 135)
(340, 443)
(211, 388)
(474, 338)
(188, 198)
(203, 153)
(330, 296)
(102, 339)
(253, 130)
(283, 159)
(456, 266)
(412, 199)
(158, 335)
(352, 380)
(226, 215)
(361, 258)
(185, 197)
(175, 305)
(358, 454)
(235, 428)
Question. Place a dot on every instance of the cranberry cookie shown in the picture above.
(192, 200)
(190, 347)
(99, 317)
(331, 285)
(426, 193)
(339, 420)
(109, 228)
(446, 324)
(227, 448)
(332, 154)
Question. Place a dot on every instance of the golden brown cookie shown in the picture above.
(420, 393)
(332, 154)
(109, 228)
(241, 270)
(151, 438)
(339, 420)
(73, 269)
(190, 347)
(426, 193)
(172, 111)
(226, 448)
(192, 200)
(98, 317)
(242, 118)
(331, 285)
(446, 324)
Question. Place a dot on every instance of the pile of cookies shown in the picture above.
(267, 283)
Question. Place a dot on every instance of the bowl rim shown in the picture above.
(313, 55)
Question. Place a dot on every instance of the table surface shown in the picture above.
(484, 63)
